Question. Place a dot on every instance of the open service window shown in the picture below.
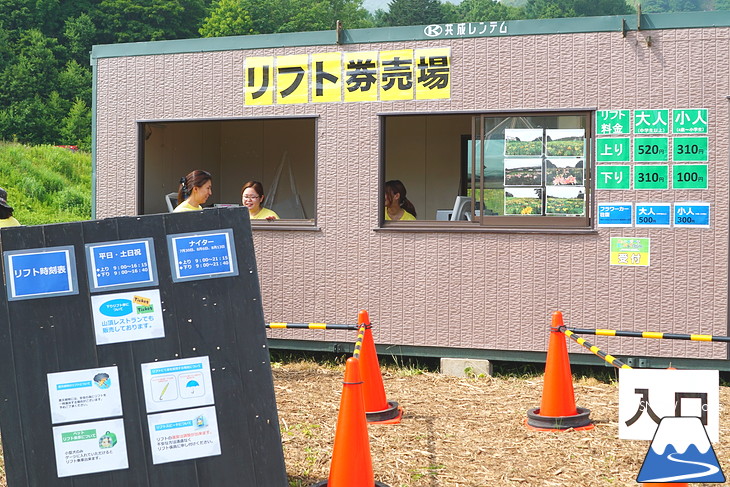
(503, 171)
(278, 152)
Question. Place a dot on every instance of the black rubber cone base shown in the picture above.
(324, 484)
(580, 420)
(392, 412)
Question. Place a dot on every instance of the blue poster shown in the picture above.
(40, 273)
(692, 215)
(615, 214)
(653, 215)
(202, 255)
(121, 264)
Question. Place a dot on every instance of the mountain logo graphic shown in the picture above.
(680, 452)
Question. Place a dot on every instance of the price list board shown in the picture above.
(116, 265)
(202, 255)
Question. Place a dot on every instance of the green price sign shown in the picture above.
(651, 121)
(651, 177)
(610, 122)
(689, 149)
(689, 176)
(613, 177)
(612, 149)
(651, 149)
(689, 121)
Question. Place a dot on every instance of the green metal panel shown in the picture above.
(437, 32)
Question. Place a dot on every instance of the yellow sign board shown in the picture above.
(368, 76)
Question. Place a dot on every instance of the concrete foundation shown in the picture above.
(463, 367)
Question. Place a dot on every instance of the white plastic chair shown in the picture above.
(462, 209)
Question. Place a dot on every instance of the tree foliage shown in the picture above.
(45, 77)
(415, 12)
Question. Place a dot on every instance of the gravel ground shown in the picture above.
(461, 432)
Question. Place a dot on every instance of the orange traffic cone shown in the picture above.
(351, 463)
(557, 410)
(377, 408)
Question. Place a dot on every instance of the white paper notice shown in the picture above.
(126, 317)
(645, 396)
(80, 395)
(177, 384)
(184, 435)
(84, 448)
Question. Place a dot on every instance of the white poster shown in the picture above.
(84, 448)
(177, 384)
(645, 396)
(126, 317)
(184, 435)
(81, 395)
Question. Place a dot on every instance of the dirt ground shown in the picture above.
(463, 432)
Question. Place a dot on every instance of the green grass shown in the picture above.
(46, 184)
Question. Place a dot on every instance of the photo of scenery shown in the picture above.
(565, 200)
(561, 171)
(523, 172)
(523, 201)
(523, 142)
(565, 142)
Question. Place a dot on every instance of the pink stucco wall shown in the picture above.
(472, 290)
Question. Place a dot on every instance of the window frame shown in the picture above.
(303, 224)
(500, 223)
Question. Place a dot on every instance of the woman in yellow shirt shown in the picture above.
(6, 211)
(397, 206)
(252, 194)
(194, 191)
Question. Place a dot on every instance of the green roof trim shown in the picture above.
(574, 25)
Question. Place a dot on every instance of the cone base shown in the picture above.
(391, 415)
(580, 421)
(324, 484)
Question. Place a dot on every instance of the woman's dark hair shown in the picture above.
(194, 179)
(396, 186)
(5, 212)
(258, 187)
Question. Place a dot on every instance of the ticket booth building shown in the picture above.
(578, 165)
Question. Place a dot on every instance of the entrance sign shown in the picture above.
(125, 264)
(630, 252)
(647, 395)
(692, 215)
(84, 448)
(177, 384)
(81, 395)
(680, 452)
(202, 255)
(184, 435)
(40, 273)
(615, 214)
(653, 215)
